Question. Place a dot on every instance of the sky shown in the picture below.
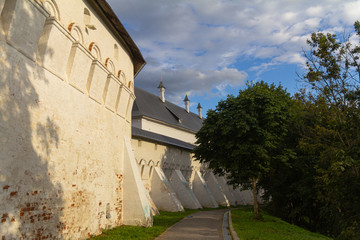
(208, 49)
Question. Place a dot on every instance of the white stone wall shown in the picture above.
(170, 131)
(64, 113)
(150, 155)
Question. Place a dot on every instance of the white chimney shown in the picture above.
(161, 91)
(199, 110)
(187, 103)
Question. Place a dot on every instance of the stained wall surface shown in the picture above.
(65, 107)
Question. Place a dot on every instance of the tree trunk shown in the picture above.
(256, 206)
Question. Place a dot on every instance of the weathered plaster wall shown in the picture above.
(63, 117)
(149, 154)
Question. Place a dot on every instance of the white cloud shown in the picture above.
(197, 45)
(178, 82)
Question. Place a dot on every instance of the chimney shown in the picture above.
(199, 110)
(161, 91)
(187, 103)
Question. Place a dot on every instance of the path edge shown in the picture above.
(232, 231)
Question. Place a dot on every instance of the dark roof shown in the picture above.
(186, 98)
(114, 22)
(199, 106)
(150, 105)
(139, 133)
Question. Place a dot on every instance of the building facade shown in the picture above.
(67, 169)
(163, 135)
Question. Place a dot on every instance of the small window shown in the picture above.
(86, 16)
(116, 52)
(108, 215)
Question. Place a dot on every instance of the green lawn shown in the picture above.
(271, 228)
(161, 223)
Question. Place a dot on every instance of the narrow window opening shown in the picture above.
(86, 16)
(116, 52)
(108, 215)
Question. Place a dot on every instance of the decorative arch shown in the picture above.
(95, 51)
(122, 77)
(110, 65)
(76, 32)
(165, 165)
(52, 7)
(142, 162)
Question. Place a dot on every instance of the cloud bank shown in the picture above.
(198, 47)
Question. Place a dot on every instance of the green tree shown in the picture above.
(243, 137)
(330, 133)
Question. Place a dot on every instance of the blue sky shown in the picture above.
(210, 48)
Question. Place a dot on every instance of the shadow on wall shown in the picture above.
(31, 204)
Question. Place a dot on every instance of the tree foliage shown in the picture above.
(304, 151)
(243, 136)
(320, 188)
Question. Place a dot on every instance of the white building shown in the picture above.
(67, 169)
(163, 135)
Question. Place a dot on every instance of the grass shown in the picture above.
(161, 223)
(271, 228)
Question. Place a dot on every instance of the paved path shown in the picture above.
(205, 225)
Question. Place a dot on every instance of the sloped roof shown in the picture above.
(142, 134)
(150, 105)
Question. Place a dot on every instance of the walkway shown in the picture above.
(205, 225)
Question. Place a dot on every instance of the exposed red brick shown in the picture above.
(34, 193)
(72, 204)
(13, 219)
(6, 187)
(13, 194)
(99, 203)
(74, 185)
(21, 213)
(5, 215)
(3, 220)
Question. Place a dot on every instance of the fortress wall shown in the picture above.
(93, 34)
(63, 118)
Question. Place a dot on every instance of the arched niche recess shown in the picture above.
(110, 65)
(52, 8)
(95, 51)
(122, 77)
(76, 32)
